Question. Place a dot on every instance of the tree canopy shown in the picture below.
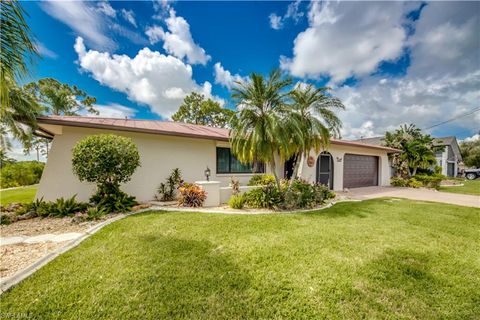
(60, 98)
(198, 110)
(470, 151)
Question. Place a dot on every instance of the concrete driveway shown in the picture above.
(413, 194)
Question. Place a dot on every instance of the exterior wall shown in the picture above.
(158, 156)
(338, 152)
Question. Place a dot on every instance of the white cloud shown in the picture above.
(178, 41)
(129, 16)
(346, 39)
(154, 34)
(45, 52)
(475, 137)
(84, 19)
(106, 8)
(112, 110)
(224, 77)
(275, 21)
(150, 78)
(293, 13)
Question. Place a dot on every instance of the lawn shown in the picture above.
(383, 258)
(469, 187)
(23, 194)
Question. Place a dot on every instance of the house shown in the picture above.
(192, 148)
(448, 158)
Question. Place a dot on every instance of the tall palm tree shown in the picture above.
(259, 132)
(314, 110)
(17, 46)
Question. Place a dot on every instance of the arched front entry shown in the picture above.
(325, 169)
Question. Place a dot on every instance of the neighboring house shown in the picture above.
(448, 159)
(192, 148)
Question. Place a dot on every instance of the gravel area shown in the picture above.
(37, 226)
(16, 257)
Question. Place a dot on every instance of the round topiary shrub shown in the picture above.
(106, 160)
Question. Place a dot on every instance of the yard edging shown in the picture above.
(21, 275)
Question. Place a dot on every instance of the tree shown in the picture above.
(17, 48)
(259, 131)
(106, 160)
(18, 116)
(418, 150)
(38, 144)
(470, 151)
(60, 98)
(314, 111)
(198, 110)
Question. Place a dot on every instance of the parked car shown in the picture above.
(472, 174)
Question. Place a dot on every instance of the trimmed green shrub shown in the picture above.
(236, 201)
(95, 213)
(191, 195)
(107, 160)
(398, 182)
(21, 173)
(267, 196)
(261, 180)
(414, 183)
(430, 181)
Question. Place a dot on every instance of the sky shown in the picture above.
(389, 62)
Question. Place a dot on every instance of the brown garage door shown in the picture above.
(360, 171)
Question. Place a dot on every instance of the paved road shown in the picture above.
(413, 194)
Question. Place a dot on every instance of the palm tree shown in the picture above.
(259, 132)
(314, 109)
(17, 47)
(18, 117)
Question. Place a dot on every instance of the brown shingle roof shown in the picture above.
(165, 128)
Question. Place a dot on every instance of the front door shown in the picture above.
(325, 169)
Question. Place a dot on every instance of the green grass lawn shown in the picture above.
(469, 187)
(23, 195)
(377, 259)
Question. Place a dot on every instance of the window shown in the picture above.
(227, 163)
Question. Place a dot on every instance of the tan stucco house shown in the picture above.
(192, 148)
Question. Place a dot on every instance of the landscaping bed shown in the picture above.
(375, 259)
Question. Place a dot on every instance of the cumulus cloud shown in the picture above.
(157, 80)
(475, 137)
(293, 13)
(225, 77)
(345, 39)
(129, 16)
(178, 40)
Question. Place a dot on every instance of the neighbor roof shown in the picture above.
(164, 128)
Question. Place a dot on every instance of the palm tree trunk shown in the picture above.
(414, 171)
(300, 165)
(273, 167)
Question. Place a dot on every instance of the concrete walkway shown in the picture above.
(413, 194)
(40, 238)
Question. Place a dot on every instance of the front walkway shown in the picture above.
(413, 194)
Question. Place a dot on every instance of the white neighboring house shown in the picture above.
(448, 159)
(164, 146)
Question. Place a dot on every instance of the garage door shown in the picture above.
(360, 171)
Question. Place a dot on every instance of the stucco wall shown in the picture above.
(338, 152)
(158, 156)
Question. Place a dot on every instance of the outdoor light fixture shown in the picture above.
(207, 173)
(339, 159)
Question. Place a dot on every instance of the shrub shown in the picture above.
(261, 180)
(414, 183)
(191, 195)
(267, 196)
(166, 190)
(303, 194)
(65, 207)
(112, 199)
(398, 182)
(430, 181)
(21, 173)
(107, 160)
(236, 201)
(95, 213)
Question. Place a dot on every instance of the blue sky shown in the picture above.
(389, 62)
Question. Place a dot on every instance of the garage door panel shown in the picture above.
(360, 171)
